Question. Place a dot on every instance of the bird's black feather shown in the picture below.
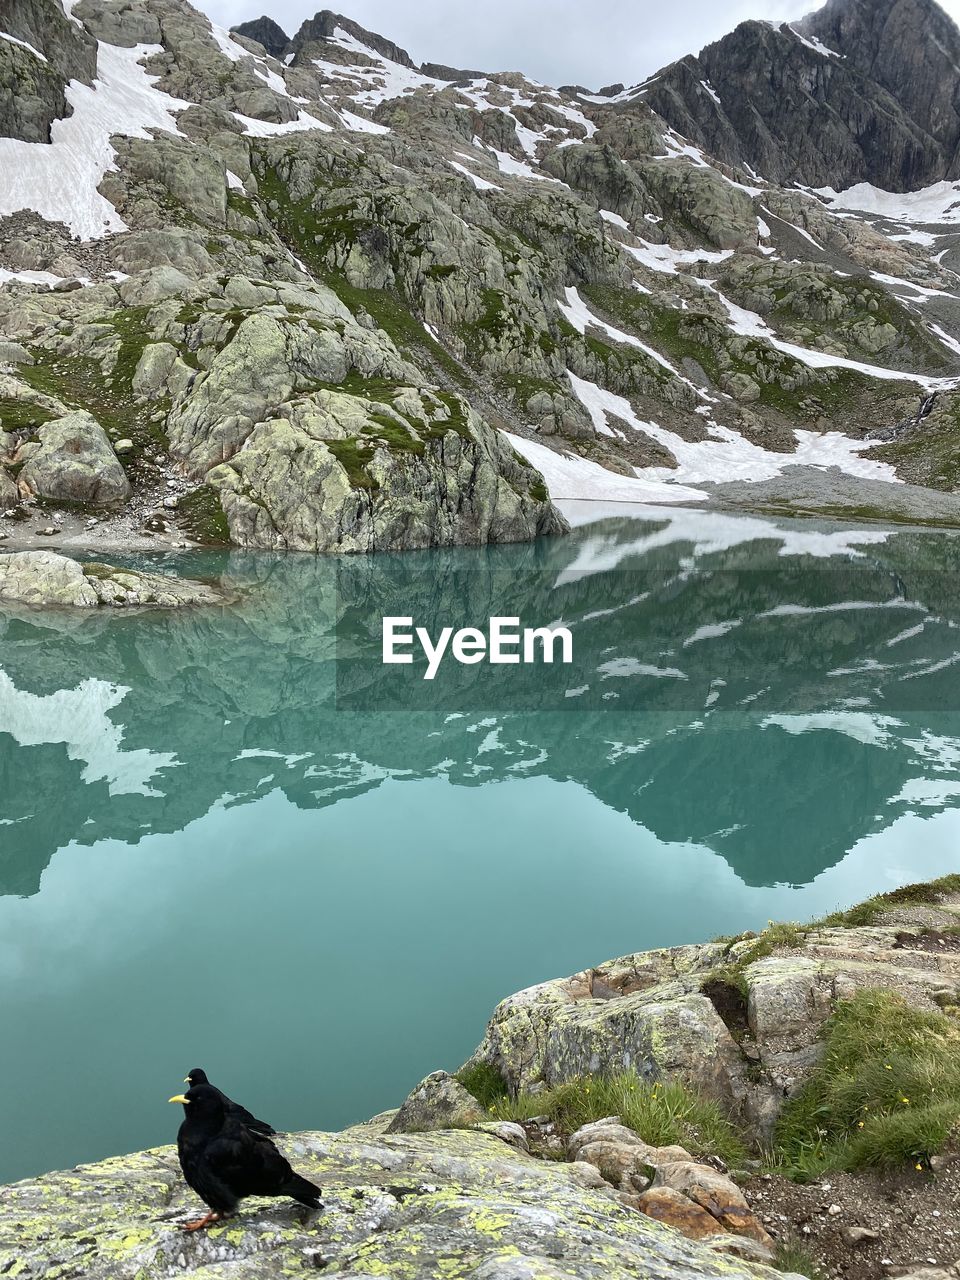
(224, 1162)
(199, 1076)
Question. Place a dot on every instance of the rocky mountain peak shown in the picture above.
(267, 33)
(324, 26)
(860, 91)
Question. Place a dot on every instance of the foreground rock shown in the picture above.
(667, 1184)
(44, 578)
(458, 1204)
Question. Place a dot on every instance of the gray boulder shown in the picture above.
(438, 1102)
(75, 462)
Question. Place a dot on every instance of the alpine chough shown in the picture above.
(222, 1161)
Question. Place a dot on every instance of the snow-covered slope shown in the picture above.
(641, 321)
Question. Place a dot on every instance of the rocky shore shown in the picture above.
(45, 579)
(488, 1175)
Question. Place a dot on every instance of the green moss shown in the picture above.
(355, 457)
(795, 1258)
(80, 383)
(930, 453)
(438, 272)
(886, 1092)
(703, 337)
(21, 415)
(203, 517)
(774, 938)
(131, 326)
(239, 202)
(99, 571)
(456, 422)
(398, 438)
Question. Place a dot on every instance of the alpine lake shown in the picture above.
(233, 838)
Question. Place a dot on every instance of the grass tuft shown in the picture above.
(795, 1257)
(485, 1082)
(886, 1092)
(663, 1114)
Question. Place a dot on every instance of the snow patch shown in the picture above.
(939, 203)
(254, 128)
(59, 179)
(360, 124)
(668, 261)
(568, 476)
(727, 455)
(23, 45)
(816, 44)
(480, 183)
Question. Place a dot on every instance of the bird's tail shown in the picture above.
(304, 1192)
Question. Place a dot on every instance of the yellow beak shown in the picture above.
(179, 1098)
(186, 1079)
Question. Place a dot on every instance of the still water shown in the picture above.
(232, 839)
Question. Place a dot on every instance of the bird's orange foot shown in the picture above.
(200, 1223)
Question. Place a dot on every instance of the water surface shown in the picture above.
(217, 848)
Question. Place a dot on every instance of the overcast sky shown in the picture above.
(556, 41)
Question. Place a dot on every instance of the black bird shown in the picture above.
(223, 1161)
(199, 1076)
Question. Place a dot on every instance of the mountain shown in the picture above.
(265, 32)
(312, 295)
(861, 91)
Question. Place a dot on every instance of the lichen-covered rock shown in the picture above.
(438, 1102)
(75, 463)
(44, 578)
(748, 1043)
(459, 1204)
(344, 473)
(644, 1012)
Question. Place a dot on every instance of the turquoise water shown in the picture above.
(214, 849)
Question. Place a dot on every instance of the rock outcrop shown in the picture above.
(438, 1102)
(45, 53)
(738, 1022)
(460, 1204)
(266, 32)
(48, 580)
